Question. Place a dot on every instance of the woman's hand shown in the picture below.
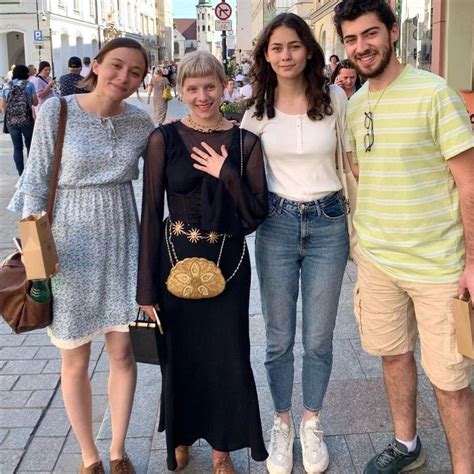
(209, 161)
(148, 310)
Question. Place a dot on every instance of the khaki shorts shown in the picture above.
(389, 311)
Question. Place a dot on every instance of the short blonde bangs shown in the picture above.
(199, 64)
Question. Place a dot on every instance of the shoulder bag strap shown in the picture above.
(58, 150)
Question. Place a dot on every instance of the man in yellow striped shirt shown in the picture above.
(413, 152)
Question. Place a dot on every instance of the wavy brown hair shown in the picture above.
(265, 81)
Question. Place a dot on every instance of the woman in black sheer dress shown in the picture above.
(214, 190)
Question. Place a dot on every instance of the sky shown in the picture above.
(187, 8)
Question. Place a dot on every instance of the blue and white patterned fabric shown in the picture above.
(95, 223)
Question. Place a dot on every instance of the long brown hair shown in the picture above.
(90, 81)
(265, 81)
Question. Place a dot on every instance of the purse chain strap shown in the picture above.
(169, 244)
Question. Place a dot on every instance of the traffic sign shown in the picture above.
(223, 25)
(223, 11)
(38, 35)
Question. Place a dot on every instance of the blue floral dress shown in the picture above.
(95, 223)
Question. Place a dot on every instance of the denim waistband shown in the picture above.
(304, 206)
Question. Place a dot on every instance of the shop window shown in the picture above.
(416, 21)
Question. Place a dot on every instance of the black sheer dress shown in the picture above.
(208, 389)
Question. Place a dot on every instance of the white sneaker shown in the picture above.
(315, 451)
(280, 449)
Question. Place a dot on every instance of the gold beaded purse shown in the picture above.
(196, 277)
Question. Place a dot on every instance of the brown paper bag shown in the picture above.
(464, 324)
(39, 250)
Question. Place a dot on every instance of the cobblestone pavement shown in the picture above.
(35, 435)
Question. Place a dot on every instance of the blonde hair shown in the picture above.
(199, 64)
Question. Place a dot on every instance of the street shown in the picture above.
(35, 435)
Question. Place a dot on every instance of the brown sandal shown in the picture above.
(123, 465)
(223, 465)
(182, 457)
(96, 468)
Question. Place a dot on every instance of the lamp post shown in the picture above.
(99, 41)
(38, 27)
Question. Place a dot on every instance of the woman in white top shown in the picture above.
(45, 85)
(231, 94)
(304, 238)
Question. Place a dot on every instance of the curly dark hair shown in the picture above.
(350, 10)
(265, 81)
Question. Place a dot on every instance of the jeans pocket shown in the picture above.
(272, 208)
(334, 210)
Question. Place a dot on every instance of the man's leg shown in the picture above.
(448, 371)
(401, 396)
(457, 414)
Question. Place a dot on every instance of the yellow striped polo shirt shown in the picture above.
(408, 217)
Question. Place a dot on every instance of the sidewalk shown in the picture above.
(35, 435)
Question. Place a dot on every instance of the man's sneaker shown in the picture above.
(396, 458)
(315, 451)
(280, 449)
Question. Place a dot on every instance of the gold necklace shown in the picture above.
(205, 129)
(378, 100)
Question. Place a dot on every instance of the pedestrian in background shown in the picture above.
(31, 71)
(156, 86)
(329, 68)
(345, 76)
(414, 154)
(214, 180)
(95, 228)
(86, 66)
(305, 237)
(45, 85)
(68, 83)
(18, 99)
(231, 93)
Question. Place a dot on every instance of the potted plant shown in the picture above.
(233, 110)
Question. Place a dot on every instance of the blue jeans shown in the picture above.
(17, 134)
(306, 240)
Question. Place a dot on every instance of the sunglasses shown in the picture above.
(369, 137)
(339, 8)
(346, 64)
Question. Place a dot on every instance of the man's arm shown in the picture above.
(462, 168)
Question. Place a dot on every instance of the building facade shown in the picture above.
(205, 26)
(436, 35)
(54, 30)
(185, 37)
(244, 30)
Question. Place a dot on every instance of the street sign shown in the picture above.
(223, 25)
(38, 35)
(223, 11)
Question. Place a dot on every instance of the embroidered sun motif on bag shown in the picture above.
(194, 235)
(177, 228)
(212, 237)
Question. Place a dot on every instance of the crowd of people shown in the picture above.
(410, 145)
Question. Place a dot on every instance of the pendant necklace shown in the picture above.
(205, 129)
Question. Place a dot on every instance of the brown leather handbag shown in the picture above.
(18, 309)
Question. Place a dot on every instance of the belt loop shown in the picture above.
(318, 207)
(280, 204)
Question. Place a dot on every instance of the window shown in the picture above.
(75, 5)
(92, 8)
(416, 29)
(203, 27)
(208, 27)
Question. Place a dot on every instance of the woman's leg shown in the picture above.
(278, 267)
(77, 397)
(326, 251)
(122, 382)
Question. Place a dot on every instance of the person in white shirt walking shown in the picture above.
(305, 237)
